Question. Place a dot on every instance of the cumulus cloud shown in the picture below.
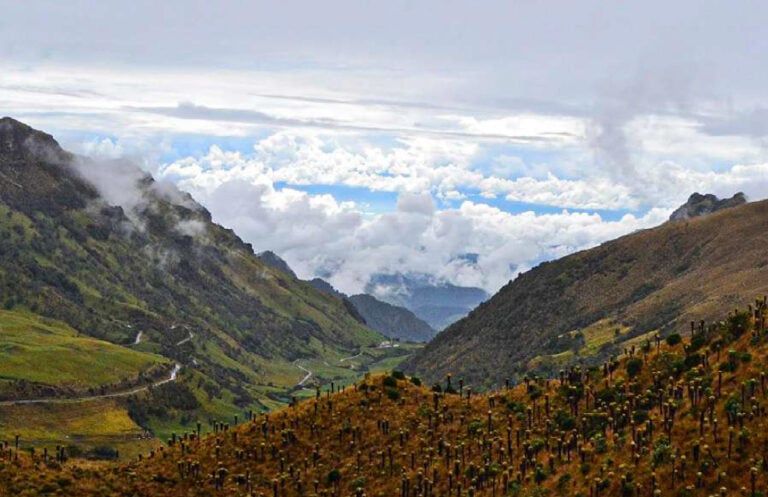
(320, 237)
(444, 168)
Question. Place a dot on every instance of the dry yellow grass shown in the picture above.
(655, 279)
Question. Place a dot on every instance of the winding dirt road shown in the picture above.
(306, 378)
(172, 377)
(351, 357)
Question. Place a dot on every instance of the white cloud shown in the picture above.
(552, 131)
(419, 165)
(320, 236)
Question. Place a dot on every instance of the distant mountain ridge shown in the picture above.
(586, 306)
(390, 320)
(438, 303)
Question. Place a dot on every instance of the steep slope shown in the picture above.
(392, 321)
(157, 265)
(587, 305)
(685, 418)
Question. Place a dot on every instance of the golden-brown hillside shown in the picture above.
(683, 416)
(586, 306)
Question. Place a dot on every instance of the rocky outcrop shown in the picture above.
(701, 205)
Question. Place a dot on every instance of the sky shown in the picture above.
(466, 141)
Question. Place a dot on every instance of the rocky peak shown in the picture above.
(701, 205)
(19, 140)
(325, 287)
(273, 260)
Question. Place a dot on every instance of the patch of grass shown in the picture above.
(80, 420)
(46, 351)
(600, 333)
(553, 360)
(85, 425)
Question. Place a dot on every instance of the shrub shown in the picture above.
(514, 488)
(390, 381)
(562, 482)
(738, 323)
(732, 405)
(564, 420)
(601, 444)
(102, 452)
(634, 366)
(691, 361)
(474, 427)
(333, 476)
(534, 392)
(661, 452)
(392, 393)
(640, 416)
(358, 482)
(698, 342)
(674, 339)
(398, 375)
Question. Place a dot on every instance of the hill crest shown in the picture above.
(585, 306)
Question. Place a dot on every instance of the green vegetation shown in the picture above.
(48, 352)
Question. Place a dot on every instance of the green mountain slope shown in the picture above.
(591, 304)
(392, 321)
(157, 265)
(38, 353)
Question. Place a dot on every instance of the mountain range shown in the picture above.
(419, 303)
(392, 321)
(126, 305)
(436, 302)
